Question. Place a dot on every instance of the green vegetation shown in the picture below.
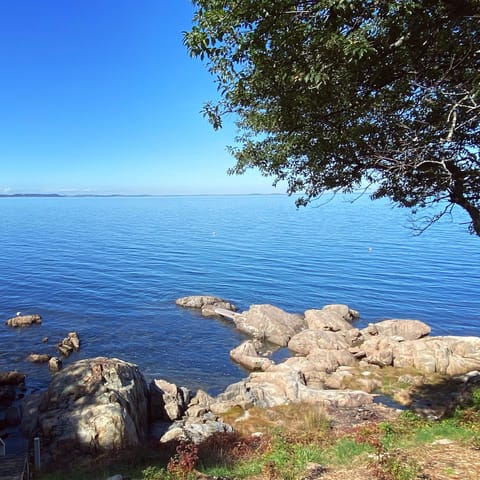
(287, 448)
(336, 95)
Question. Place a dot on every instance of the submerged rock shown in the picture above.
(38, 358)
(207, 304)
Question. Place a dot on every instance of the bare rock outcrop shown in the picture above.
(269, 323)
(335, 364)
(196, 430)
(329, 360)
(246, 355)
(93, 405)
(309, 340)
(24, 320)
(198, 423)
(280, 385)
(325, 320)
(378, 350)
(404, 329)
(199, 404)
(448, 355)
(167, 401)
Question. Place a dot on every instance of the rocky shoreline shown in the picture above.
(104, 404)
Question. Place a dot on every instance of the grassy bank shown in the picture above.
(297, 442)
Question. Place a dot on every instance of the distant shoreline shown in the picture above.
(110, 195)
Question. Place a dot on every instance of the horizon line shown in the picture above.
(109, 195)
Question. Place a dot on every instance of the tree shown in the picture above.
(338, 94)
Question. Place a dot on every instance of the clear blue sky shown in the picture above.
(100, 96)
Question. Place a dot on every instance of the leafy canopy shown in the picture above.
(337, 94)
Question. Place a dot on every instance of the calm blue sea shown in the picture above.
(111, 269)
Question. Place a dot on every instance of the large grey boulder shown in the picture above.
(93, 405)
(269, 323)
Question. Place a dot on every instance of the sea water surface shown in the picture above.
(111, 269)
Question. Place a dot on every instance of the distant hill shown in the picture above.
(48, 195)
(3, 195)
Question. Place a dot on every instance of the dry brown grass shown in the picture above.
(453, 461)
(299, 417)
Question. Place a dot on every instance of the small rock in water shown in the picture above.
(54, 364)
(65, 349)
(74, 340)
(69, 344)
(38, 358)
(24, 320)
(12, 378)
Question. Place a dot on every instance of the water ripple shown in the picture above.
(111, 268)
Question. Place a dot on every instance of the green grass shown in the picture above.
(346, 451)
(285, 458)
(450, 430)
(239, 470)
(284, 453)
